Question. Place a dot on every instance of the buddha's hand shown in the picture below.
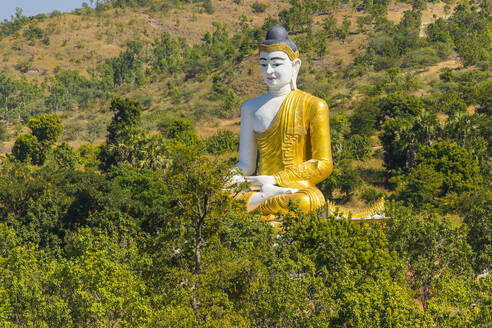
(268, 186)
(271, 190)
(261, 180)
(236, 179)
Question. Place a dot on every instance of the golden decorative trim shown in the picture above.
(279, 47)
(374, 211)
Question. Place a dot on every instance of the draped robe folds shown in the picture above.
(296, 150)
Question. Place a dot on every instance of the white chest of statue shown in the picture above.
(264, 109)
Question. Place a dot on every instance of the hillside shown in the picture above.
(83, 39)
(71, 60)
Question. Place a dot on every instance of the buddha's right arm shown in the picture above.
(247, 143)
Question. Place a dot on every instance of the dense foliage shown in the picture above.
(147, 246)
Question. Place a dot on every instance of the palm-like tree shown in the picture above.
(460, 127)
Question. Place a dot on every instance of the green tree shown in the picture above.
(359, 147)
(127, 142)
(430, 248)
(459, 171)
(196, 184)
(98, 282)
(348, 178)
(259, 7)
(484, 97)
(27, 285)
(339, 128)
(59, 98)
(451, 103)
(221, 142)
(127, 117)
(179, 129)
(298, 18)
(470, 32)
(399, 105)
(460, 127)
(168, 54)
(355, 267)
(126, 68)
(371, 195)
(402, 138)
(33, 32)
(34, 147)
(230, 105)
(208, 6)
(476, 207)
(421, 187)
(363, 119)
(65, 156)
(443, 170)
(320, 41)
(396, 139)
(383, 294)
(342, 32)
(46, 128)
(28, 149)
(458, 302)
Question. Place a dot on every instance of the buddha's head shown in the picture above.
(279, 59)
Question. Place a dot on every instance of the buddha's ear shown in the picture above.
(296, 65)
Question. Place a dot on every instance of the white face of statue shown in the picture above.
(277, 69)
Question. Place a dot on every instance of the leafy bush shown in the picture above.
(359, 147)
(421, 57)
(402, 137)
(259, 7)
(47, 128)
(28, 149)
(65, 156)
(23, 66)
(399, 105)
(127, 142)
(484, 97)
(222, 142)
(208, 6)
(363, 119)
(230, 105)
(371, 195)
(442, 169)
(430, 246)
(95, 128)
(33, 32)
(178, 128)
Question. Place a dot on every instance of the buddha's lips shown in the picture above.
(270, 78)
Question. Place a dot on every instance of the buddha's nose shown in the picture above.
(269, 69)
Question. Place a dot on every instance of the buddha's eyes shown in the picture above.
(274, 64)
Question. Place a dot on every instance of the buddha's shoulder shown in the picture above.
(313, 101)
(253, 104)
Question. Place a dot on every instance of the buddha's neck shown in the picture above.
(277, 92)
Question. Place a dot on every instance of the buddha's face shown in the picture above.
(277, 68)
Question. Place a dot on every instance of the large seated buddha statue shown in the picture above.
(289, 130)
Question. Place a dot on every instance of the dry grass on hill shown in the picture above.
(81, 42)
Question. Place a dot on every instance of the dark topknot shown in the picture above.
(278, 35)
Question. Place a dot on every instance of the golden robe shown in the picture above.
(296, 150)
